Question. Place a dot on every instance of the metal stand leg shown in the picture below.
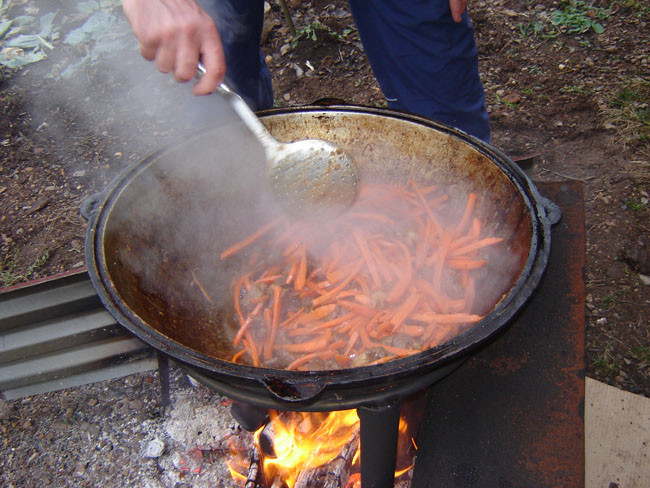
(163, 373)
(379, 433)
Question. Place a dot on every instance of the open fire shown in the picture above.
(302, 449)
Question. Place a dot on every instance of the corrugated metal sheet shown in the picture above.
(56, 334)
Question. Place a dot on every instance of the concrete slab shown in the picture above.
(617, 437)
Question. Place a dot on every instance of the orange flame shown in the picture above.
(304, 441)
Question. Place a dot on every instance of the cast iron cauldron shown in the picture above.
(165, 219)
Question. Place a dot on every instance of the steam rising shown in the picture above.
(185, 204)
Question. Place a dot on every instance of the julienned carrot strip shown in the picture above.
(292, 318)
(320, 355)
(357, 308)
(365, 340)
(488, 241)
(301, 275)
(405, 277)
(238, 354)
(440, 262)
(317, 314)
(267, 279)
(236, 292)
(331, 295)
(424, 203)
(412, 330)
(198, 283)
(445, 318)
(354, 337)
(398, 351)
(372, 216)
(441, 300)
(403, 311)
(469, 294)
(380, 258)
(469, 208)
(316, 344)
(365, 252)
(246, 323)
(340, 274)
(247, 241)
(292, 271)
(334, 322)
(249, 342)
(270, 343)
(466, 264)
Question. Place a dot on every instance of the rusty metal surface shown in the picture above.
(513, 415)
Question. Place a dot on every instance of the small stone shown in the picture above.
(284, 49)
(512, 98)
(561, 66)
(136, 404)
(268, 59)
(287, 97)
(79, 174)
(27, 424)
(92, 402)
(80, 470)
(5, 410)
(644, 279)
(601, 321)
(118, 155)
(154, 449)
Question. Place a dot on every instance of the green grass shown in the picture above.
(573, 89)
(635, 205)
(578, 17)
(627, 109)
(642, 354)
(606, 364)
(313, 30)
(10, 274)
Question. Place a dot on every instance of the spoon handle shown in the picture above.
(245, 113)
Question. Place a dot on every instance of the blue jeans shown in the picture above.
(425, 63)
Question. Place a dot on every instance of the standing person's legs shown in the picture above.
(425, 63)
(240, 27)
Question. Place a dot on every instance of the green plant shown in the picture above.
(577, 17)
(642, 354)
(312, 31)
(573, 89)
(635, 205)
(627, 109)
(531, 29)
(606, 363)
(10, 274)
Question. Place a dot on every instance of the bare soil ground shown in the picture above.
(574, 104)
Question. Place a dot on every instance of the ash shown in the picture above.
(116, 434)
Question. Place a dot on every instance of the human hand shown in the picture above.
(458, 7)
(177, 34)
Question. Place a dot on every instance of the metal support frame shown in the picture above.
(379, 434)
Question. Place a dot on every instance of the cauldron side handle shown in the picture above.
(90, 205)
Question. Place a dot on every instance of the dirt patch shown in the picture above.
(548, 91)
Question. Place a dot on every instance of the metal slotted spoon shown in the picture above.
(310, 177)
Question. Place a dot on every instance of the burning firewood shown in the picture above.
(336, 473)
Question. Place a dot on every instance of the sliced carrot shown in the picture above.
(198, 283)
(465, 219)
(357, 308)
(301, 275)
(466, 264)
(488, 241)
(247, 241)
(331, 295)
